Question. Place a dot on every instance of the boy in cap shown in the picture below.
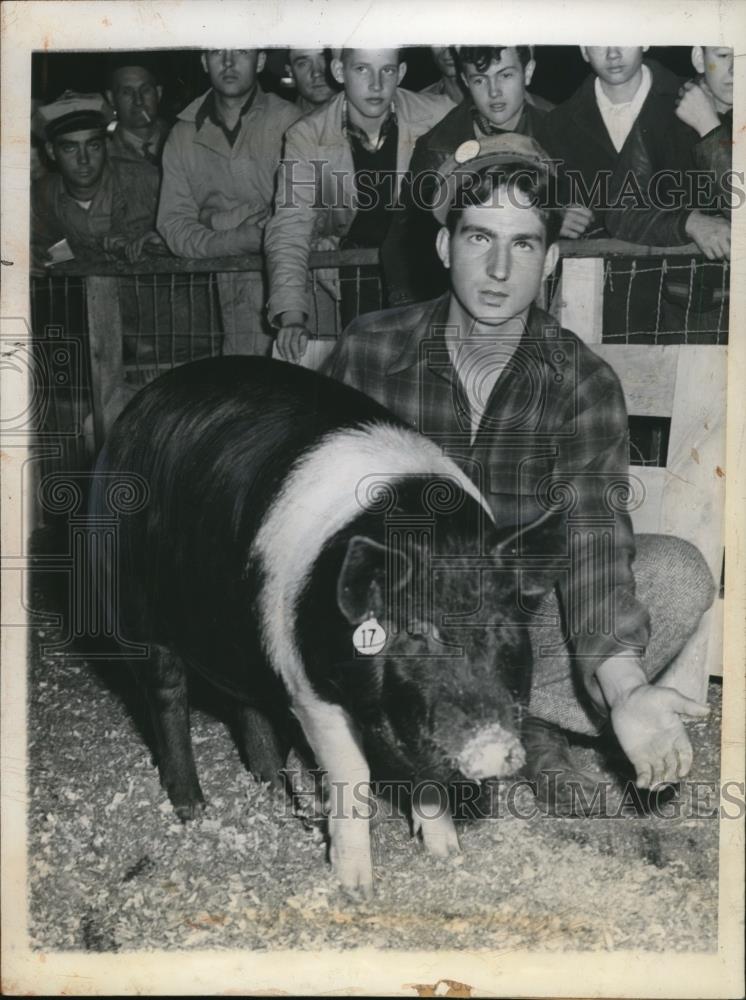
(532, 414)
(98, 206)
(219, 166)
(359, 142)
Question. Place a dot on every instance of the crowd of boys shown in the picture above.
(353, 162)
(465, 188)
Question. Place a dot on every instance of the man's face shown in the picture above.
(498, 257)
(613, 64)
(233, 72)
(308, 69)
(369, 77)
(80, 158)
(716, 65)
(500, 92)
(135, 97)
(444, 60)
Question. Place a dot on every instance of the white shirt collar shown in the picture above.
(619, 118)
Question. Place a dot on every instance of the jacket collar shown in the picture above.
(435, 318)
(191, 111)
(458, 126)
(332, 113)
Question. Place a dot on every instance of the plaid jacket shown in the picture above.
(552, 435)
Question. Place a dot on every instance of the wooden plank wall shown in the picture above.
(686, 383)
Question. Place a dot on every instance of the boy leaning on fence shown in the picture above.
(705, 104)
(91, 206)
(219, 166)
(539, 422)
(362, 138)
(623, 153)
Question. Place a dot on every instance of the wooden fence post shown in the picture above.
(582, 297)
(105, 341)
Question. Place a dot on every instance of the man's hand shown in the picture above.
(695, 108)
(647, 724)
(711, 233)
(244, 219)
(251, 235)
(292, 336)
(576, 220)
(646, 721)
(135, 248)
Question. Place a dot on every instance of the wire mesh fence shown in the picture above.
(124, 325)
(665, 300)
(60, 371)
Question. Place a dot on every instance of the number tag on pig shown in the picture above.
(369, 637)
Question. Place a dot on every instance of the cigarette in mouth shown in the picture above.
(148, 119)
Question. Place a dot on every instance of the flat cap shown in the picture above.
(476, 155)
(71, 112)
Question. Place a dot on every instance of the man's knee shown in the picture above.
(682, 566)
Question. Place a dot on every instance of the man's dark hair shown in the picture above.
(482, 56)
(120, 60)
(478, 187)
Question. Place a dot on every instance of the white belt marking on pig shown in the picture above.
(317, 499)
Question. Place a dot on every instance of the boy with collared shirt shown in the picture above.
(620, 129)
(339, 180)
(497, 100)
(535, 417)
(219, 166)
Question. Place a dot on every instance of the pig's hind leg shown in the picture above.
(164, 678)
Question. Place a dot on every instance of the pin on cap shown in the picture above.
(479, 154)
(467, 151)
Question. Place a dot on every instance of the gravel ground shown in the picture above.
(112, 869)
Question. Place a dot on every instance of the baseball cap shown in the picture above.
(477, 154)
(72, 112)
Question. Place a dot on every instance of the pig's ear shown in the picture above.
(361, 586)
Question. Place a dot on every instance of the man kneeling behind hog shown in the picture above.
(537, 420)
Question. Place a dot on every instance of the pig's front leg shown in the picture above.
(431, 816)
(332, 738)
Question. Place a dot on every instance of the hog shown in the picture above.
(308, 554)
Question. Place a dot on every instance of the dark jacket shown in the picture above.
(714, 152)
(575, 134)
(412, 271)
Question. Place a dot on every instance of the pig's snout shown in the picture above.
(492, 752)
